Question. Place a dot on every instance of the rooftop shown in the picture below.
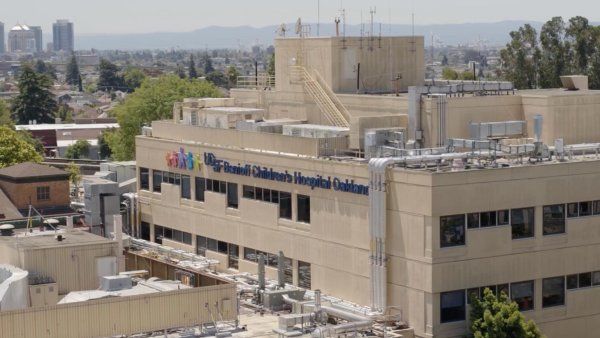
(32, 170)
(47, 239)
(66, 126)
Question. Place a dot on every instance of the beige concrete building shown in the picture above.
(468, 186)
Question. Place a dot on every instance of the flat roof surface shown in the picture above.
(46, 239)
(557, 92)
(31, 169)
(66, 126)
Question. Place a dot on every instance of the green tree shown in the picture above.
(232, 76)
(467, 75)
(192, 68)
(35, 101)
(584, 39)
(217, 78)
(271, 65)
(498, 317)
(152, 101)
(449, 74)
(520, 58)
(73, 74)
(103, 146)
(5, 119)
(133, 78)
(80, 149)
(180, 71)
(554, 56)
(14, 148)
(109, 78)
(43, 68)
(207, 62)
(65, 113)
(74, 176)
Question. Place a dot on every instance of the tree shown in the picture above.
(497, 317)
(208, 66)
(449, 74)
(65, 113)
(180, 71)
(14, 148)
(43, 68)
(103, 146)
(467, 75)
(80, 149)
(152, 101)
(109, 78)
(192, 70)
(133, 78)
(232, 76)
(554, 60)
(445, 60)
(35, 102)
(584, 39)
(74, 177)
(520, 58)
(271, 65)
(73, 74)
(217, 78)
(5, 119)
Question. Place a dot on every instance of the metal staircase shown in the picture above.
(329, 104)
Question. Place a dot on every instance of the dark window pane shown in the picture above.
(177, 236)
(473, 220)
(553, 291)
(522, 221)
(187, 238)
(250, 255)
(596, 278)
(288, 271)
(304, 276)
(554, 219)
(488, 219)
(168, 233)
(185, 187)
(585, 280)
(452, 230)
(232, 195)
(144, 179)
(572, 282)
(222, 247)
(156, 180)
(222, 187)
(177, 178)
(233, 256)
(585, 209)
(274, 196)
(503, 217)
(453, 307)
(209, 184)
(145, 231)
(200, 186)
(303, 209)
(266, 195)
(503, 288)
(258, 192)
(211, 244)
(596, 207)
(201, 245)
(522, 294)
(285, 205)
(573, 210)
(248, 192)
(272, 260)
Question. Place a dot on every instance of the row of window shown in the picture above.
(161, 233)
(271, 260)
(453, 304)
(452, 228)
(231, 250)
(283, 199)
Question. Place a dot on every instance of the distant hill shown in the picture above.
(212, 37)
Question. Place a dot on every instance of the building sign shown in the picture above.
(190, 161)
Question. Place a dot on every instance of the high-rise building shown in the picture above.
(2, 50)
(63, 36)
(21, 39)
(37, 36)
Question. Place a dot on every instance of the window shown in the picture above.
(144, 179)
(211, 244)
(473, 220)
(522, 221)
(553, 291)
(596, 278)
(554, 219)
(288, 271)
(572, 282)
(585, 209)
(232, 195)
(452, 230)
(572, 210)
(186, 238)
(503, 217)
(157, 177)
(285, 205)
(503, 288)
(303, 209)
(200, 184)
(233, 256)
(43, 193)
(250, 255)
(453, 307)
(222, 247)
(487, 219)
(185, 187)
(304, 275)
(201, 245)
(145, 231)
(585, 280)
(248, 192)
(158, 234)
(596, 207)
(522, 294)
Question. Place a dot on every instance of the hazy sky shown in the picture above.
(135, 16)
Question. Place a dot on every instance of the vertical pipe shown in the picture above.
(118, 228)
(358, 77)
(280, 270)
(261, 272)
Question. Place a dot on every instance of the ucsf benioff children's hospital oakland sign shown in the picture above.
(190, 161)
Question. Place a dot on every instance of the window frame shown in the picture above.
(548, 217)
(561, 297)
(144, 179)
(303, 217)
(43, 193)
(448, 243)
(515, 299)
(461, 310)
(513, 218)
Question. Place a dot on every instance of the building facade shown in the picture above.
(63, 36)
(38, 38)
(2, 43)
(21, 39)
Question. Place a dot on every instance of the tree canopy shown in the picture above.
(80, 149)
(73, 76)
(152, 101)
(35, 101)
(109, 78)
(5, 119)
(15, 148)
(133, 78)
(192, 73)
(498, 317)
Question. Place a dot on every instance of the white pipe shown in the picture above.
(118, 228)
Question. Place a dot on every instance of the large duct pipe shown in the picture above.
(261, 272)
(118, 227)
(538, 122)
(281, 270)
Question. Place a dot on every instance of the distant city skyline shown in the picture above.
(137, 16)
